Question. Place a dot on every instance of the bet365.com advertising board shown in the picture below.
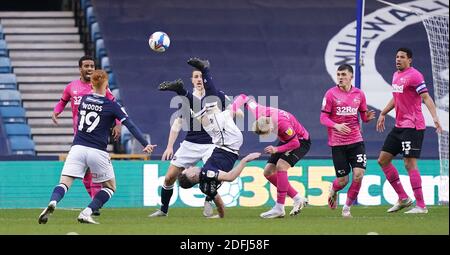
(28, 184)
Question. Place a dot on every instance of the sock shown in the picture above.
(95, 188)
(87, 181)
(352, 193)
(416, 184)
(100, 199)
(279, 206)
(282, 186)
(292, 193)
(166, 194)
(58, 192)
(394, 179)
(336, 186)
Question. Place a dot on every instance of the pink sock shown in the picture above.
(352, 193)
(336, 186)
(394, 179)
(87, 180)
(273, 179)
(282, 186)
(95, 188)
(91, 188)
(416, 184)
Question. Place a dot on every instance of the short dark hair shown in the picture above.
(406, 50)
(345, 67)
(184, 181)
(83, 58)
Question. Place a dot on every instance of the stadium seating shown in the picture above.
(90, 17)
(17, 129)
(100, 50)
(9, 97)
(14, 114)
(8, 81)
(3, 48)
(105, 64)
(5, 65)
(22, 145)
(95, 32)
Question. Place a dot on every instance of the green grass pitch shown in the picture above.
(237, 221)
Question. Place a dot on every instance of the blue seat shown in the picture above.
(100, 50)
(2, 36)
(95, 32)
(105, 64)
(8, 81)
(3, 48)
(14, 114)
(5, 65)
(85, 4)
(9, 97)
(22, 145)
(17, 129)
(112, 81)
(90, 17)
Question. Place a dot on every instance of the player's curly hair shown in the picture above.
(184, 181)
(98, 78)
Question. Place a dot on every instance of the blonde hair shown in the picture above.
(98, 78)
(262, 125)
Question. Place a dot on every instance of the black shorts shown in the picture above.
(293, 156)
(407, 141)
(346, 156)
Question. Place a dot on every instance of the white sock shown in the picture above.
(279, 206)
(87, 211)
(297, 197)
(346, 207)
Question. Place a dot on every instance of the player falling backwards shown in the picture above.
(197, 144)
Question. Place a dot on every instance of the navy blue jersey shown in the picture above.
(200, 136)
(96, 116)
(220, 160)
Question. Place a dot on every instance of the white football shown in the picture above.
(159, 41)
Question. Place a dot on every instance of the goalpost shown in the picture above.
(436, 26)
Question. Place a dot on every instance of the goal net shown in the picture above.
(437, 31)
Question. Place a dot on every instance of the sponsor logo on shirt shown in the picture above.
(77, 100)
(289, 132)
(397, 88)
(346, 110)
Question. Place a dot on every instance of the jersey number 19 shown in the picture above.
(86, 118)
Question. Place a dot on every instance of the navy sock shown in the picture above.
(58, 192)
(101, 198)
(166, 194)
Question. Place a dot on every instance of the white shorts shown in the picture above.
(189, 154)
(81, 157)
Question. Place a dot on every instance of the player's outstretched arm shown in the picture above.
(380, 122)
(428, 101)
(236, 171)
(220, 205)
(174, 131)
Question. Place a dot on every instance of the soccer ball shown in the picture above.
(230, 192)
(159, 41)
